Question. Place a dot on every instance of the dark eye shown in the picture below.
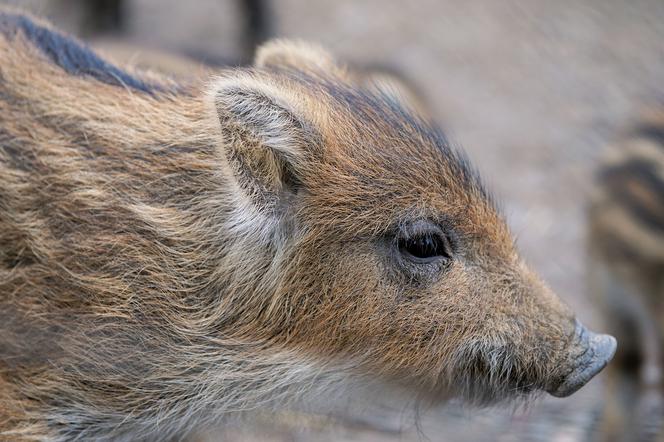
(425, 247)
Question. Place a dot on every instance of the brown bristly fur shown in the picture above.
(170, 256)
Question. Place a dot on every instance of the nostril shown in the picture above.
(598, 350)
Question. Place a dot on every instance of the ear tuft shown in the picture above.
(298, 55)
(262, 111)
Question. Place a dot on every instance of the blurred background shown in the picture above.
(534, 91)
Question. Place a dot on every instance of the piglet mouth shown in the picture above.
(592, 352)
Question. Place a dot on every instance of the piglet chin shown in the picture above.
(597, 350)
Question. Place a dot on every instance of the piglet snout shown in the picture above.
(592, 352)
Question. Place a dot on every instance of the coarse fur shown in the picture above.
(171, 254)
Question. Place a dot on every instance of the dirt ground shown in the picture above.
(533, 90)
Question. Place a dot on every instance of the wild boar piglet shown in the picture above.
(171, 253)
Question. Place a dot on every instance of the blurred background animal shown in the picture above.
(626, 235)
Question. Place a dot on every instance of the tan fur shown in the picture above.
(167, 259)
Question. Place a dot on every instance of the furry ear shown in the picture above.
(265, 142)
(298, 55)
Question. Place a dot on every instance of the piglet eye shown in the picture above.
(424, 247)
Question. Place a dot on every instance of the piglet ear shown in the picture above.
(297, 55)
(264, 140)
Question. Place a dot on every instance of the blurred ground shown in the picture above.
(531, 89)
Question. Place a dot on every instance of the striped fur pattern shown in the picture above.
(171, 254)
(627, 275)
